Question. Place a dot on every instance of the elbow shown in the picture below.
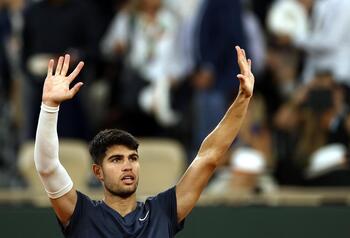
(214, 152)
(213, 157)
(43, 169)
(46, 172)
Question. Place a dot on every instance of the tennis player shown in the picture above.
(116, 165)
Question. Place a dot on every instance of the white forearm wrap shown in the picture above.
(52, 174)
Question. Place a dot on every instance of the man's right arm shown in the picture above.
(53, 175)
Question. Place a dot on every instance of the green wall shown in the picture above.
(242, 222)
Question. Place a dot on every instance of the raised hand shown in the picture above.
(246, 76)
(57, 86)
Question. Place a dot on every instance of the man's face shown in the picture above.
(120, 171)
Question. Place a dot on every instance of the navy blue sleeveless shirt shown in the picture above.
(155, 218)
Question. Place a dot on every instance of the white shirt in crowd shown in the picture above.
(328, 42)
(153, 45)
(154, 52)
(288, 18)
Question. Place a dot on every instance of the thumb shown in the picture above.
(241, 78)
(75, 89)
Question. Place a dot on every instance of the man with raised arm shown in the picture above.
(115, 164)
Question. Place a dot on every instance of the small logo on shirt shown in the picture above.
(142, 219)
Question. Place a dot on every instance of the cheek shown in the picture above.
(111, 172)
(137, 169)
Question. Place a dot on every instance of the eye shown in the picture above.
(134, 158)
(116, 160)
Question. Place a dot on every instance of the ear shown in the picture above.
(97, 169)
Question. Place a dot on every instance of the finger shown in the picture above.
(250, 64)
(239, 57)
(242, 62)
(239, 52)
(241, 77)
(242, 80)
(75, 89)
(50, 67)
(65, 65)
(59, 66)
(76, 71)
(244, 55)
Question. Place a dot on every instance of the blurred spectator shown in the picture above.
(145, 34)
(327, 44)
(247, 166)
(279, 80)
(288, 19)
(8, 129)
(313, 118)
(329, 166)
(219, 28)
(256, 44)
(101, 71)
(52, 28)
(188, 13)
(13, 48)
(241, 176)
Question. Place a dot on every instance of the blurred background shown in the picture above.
(165, 70)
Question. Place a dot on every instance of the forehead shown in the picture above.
(119, 150)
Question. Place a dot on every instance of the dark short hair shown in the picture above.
(108, 138)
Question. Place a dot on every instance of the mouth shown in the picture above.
(128, 179)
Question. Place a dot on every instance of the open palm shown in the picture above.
(57, 86)
(246, 76)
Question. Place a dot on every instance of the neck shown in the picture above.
(122, 205)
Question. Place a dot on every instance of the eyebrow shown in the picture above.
(134, 154)
(121, 156)
(115, 156)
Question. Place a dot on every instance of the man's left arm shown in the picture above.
(216, 144)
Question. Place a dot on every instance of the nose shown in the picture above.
(127, 166)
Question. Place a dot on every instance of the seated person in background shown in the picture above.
(145, 34)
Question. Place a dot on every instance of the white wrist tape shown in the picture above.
(53, 175)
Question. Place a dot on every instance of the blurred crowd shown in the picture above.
(167, 68)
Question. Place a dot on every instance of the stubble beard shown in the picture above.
(118, 191)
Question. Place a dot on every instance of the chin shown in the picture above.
(126, 193)
(123, 192)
